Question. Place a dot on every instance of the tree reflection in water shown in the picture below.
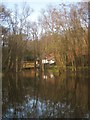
(31, 94)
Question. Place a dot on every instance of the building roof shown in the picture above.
(49, 56)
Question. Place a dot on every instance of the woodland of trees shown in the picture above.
(61, 30)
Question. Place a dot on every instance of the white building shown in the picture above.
(48, 59)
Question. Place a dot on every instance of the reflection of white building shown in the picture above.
(45, 76)
(51, 75)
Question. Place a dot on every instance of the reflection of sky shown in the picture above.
(35, 106)
(38, 108)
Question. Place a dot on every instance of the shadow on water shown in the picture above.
(31, 94)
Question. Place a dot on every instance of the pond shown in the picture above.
(31, 94)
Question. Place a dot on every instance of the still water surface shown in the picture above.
(33, 95)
